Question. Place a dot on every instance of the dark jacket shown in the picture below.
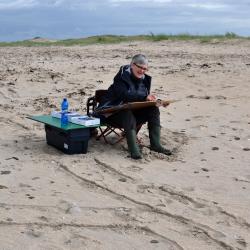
(126, 88)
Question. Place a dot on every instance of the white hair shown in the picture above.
(139, 59)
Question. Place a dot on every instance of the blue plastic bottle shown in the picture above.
(64, 110)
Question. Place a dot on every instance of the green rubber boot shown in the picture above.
(155, 145)
(132, 144)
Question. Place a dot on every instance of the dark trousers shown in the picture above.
(129, 119)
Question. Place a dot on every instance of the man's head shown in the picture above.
(139, 65)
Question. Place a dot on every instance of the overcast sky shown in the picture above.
(61, 19)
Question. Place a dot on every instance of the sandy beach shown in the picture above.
(197, 199)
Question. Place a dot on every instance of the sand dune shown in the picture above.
(196, 199)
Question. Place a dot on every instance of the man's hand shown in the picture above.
(151, 98)
(163, 103)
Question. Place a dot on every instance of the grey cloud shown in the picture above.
(77, 18)
(74, 4)
(97, 4)
(17, 4)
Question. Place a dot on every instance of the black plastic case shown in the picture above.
(69, 141)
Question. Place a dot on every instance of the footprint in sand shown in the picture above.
(241, 241)
(246, 149)
(30, 196)
(34, 233)
(43, 218)
(215, 148)
(5, 172)
(134, 168)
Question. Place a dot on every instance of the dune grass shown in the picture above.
(109, 39)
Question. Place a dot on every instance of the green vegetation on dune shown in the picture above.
(109, 39)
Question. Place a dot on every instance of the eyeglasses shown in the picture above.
(140, 67)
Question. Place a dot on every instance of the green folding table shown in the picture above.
(71, 138)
